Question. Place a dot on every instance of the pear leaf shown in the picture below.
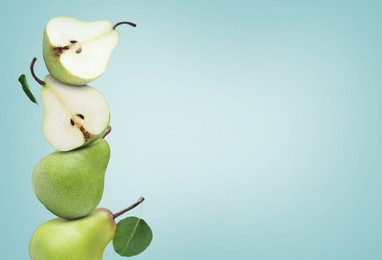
(27, 91)
(132, 237)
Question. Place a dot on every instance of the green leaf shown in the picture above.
(27, 91)
(132, 237)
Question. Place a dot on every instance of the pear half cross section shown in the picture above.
(74, 116)
(77, 52)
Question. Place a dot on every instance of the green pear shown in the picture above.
(70, 184)
(80, 239)
(77, 52)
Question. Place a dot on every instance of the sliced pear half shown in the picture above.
(73, 116)
(77, 52)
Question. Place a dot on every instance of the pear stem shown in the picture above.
(119, 213)
(107, 131)
(129, 23)
(39, 81)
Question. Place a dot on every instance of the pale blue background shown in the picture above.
(253, 128)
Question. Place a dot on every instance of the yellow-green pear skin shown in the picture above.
(70, 184)
(79, 239)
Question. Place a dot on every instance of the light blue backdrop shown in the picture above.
(253, 128)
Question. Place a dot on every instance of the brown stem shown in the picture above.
(107, 131)
(119, 213)
(39, 81)
(129, 23)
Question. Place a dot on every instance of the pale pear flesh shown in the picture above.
(70, 184)
(80, 239)
(77, 52)
(73, 116)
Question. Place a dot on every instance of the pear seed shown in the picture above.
(80, 116)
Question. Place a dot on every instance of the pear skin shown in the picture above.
(80, 239)
(70, 184)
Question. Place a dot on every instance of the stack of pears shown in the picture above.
(70, 181)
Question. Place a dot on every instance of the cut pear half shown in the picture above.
(73, 116)
(77, 52)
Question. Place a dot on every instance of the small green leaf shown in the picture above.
(132, 237)
(27, 91)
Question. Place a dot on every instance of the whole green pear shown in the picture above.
(70, 184)
(79, 239)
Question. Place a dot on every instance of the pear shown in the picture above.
(73, 116)
(77, 52)
(80, 239)
(70, 184)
